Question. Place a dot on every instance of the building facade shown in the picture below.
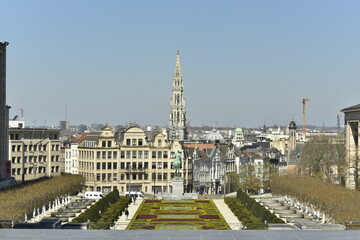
(34, 153)
(352, 131)
(132, 159)
(177, 121)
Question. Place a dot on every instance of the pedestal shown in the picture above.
(177, 186)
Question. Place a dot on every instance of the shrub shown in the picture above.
(257, 209)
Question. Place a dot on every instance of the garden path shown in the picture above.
(121, 223)
(228, 215)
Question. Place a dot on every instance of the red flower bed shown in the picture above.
(177, 213)
(207, 228)
(146, 216)
(176, 220)
(148, 227)
(209, 217)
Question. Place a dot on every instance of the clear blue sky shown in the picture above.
(243, 62)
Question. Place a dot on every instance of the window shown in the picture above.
(140, 154)
(109, 155)
(35, 148)
(153, 154)
(114, 176)
(159, 143)
(140, 142)
(165, 154)
(122, 154)
(98, 166)
(140, 176)
(19, 148)
(98, 154)
(109, 165)
(146, 165)
(159, 154)
(153, 176)
(114, 154)
(128, 154)
(25, 148)
(128, 142)
(146, 154)
(134, 142)
(146, 176)
(159, 165)
(165, 176)
(153, 165)
(103, 144)
(159, 176)
(13, 148)
(109, 143)
(103, 155)
(133, 176)
(165, 165)
(140, 165)
(133, 154)
(122, 165)
(103, 176)
(114, 165)
(13, 160)
(133, 165)
(122, 176)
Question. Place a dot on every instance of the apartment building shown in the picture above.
(34, 153)
(129, 159)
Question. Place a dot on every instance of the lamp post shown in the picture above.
(154, 182)
(129, 187)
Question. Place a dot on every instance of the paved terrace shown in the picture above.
(54, 234)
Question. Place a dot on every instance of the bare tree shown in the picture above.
(320, 154)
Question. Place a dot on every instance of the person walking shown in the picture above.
(126, 214)
(134, 199)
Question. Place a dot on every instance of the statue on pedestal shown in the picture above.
(177, 164)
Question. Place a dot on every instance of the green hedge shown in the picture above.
(257, 209)
(93, 213)
(112, 213)
(244, 215)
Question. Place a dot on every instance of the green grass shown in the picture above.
(178, 215)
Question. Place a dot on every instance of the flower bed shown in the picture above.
(178, 215)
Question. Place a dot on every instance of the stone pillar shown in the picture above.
(4, 119)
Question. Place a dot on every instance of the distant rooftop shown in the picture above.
(352, 108)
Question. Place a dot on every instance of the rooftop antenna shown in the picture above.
(304, 100)
(22, 113)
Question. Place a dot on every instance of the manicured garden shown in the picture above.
(178, 215)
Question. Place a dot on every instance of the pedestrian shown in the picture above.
(126, 214)
(134, 199)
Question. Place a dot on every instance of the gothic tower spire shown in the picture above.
(177, 104)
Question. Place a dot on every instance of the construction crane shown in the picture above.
(304, 100)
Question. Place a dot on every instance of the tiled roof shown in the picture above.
(352, 108)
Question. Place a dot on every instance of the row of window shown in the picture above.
(127, 176)
(34, 170)
(33, 159)
(126, 154)
(133, 165)
(34, 148)
(17, 136)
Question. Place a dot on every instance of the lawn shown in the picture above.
(178, 215)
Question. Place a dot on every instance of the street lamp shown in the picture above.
(154, 176)
(129, 187)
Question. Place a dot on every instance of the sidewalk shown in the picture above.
(230, 218)
(121, 223)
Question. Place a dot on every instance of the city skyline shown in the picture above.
(244, 63)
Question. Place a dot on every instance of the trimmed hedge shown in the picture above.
(112, 213)
(93, 213)
(257, 209)
(244, 215)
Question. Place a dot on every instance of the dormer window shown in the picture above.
(159, 143)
